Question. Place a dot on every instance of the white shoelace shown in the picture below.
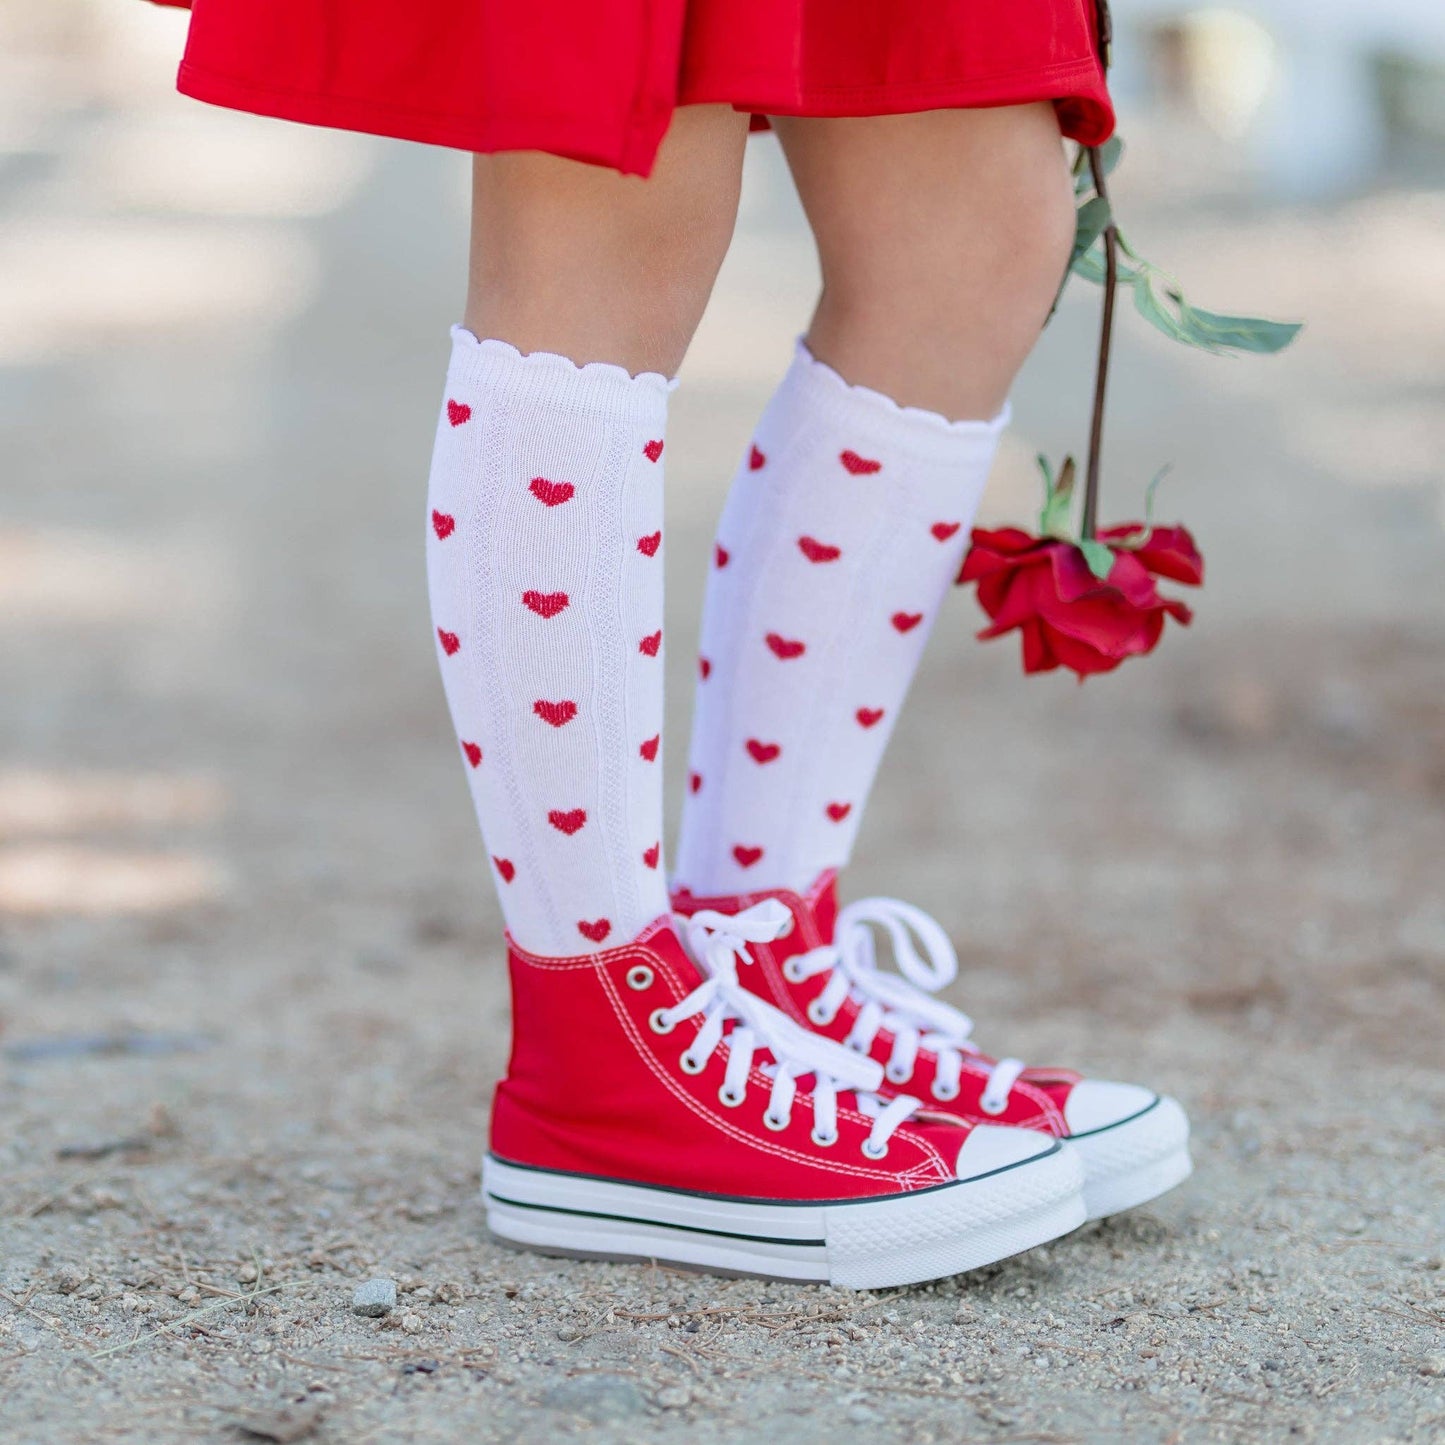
(718, 942)
(902, 1006)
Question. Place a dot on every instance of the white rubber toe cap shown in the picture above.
(991, 1147)
(1097, 1104)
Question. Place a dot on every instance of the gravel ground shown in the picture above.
(251, 995)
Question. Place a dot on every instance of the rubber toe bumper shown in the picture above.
(1134, 1144)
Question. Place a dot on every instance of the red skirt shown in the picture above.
(598, 80)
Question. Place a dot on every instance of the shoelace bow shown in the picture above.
(719, 942)
(903, 1006)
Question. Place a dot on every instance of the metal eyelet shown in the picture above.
(658, 1024)
(690, 1065)
(897, 1076)
(824, 1141)
(818, 1014)
(639, 976)
(726, 1095)
(939, 1092)
(786, 931)
(992, 1107)
(793, 971)
(774, 1123)
(874, 1151)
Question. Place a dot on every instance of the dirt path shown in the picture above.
(251, 996)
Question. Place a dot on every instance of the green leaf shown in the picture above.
(1149, 493)
(1056, 519)
(1093, 217)
(1048, 473)
(1090, 266)
(1164, 307)
(1099, 557)
(1237, 333)
(1148, 304)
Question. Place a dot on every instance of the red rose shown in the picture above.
(1066, 614)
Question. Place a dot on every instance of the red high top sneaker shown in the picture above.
(655, 1109)
(822, 973)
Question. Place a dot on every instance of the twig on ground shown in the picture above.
(187, 1320)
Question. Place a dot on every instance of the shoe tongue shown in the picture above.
(823, 900)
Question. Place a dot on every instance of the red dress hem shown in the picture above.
(492, 76)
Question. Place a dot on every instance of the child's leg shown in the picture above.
(577, 260)
(943, 238)
(545, 518)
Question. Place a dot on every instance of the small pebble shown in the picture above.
(674, 1397)
(374, 1298)
(1433, 1365)
(67, 1281)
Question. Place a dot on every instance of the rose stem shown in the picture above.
(1106, 337)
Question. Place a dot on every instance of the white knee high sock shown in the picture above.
(544, 562)
(845, 525)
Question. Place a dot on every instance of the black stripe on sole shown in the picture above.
(656, 1223)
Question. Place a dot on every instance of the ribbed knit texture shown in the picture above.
(545, 567)
(846, 523)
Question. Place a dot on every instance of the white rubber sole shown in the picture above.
(1136, 1160)
(863, 1244)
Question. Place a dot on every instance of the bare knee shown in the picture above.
(575, 259)
(943, 239)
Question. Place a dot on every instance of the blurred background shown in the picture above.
(251, 991)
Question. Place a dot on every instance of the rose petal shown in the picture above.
(1038, 657)
(1030, 590)
(1165, 551)
(1008, 540)
(1171, 552)
(1079, 657)
(1111, 627)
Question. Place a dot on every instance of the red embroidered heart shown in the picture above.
(906, 621)
(704, 668)
(720, 555)
(505, 867)
(762, 752)
(652, 451)
(443, 525)
(785, 647)
(559, 714)
(474, 754)
(648, 545)
(458, 412)
(568, 822)
(551, 494)
(650, 645)
(746, 856)
(449, 641)
(867, 716)
(816, 551)
(756, 460)
(651, 855)
(859, 466)
(838, 811)
(595, 931)
(545, 604)
(649, 748)
(944, 530)
(694, 782)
